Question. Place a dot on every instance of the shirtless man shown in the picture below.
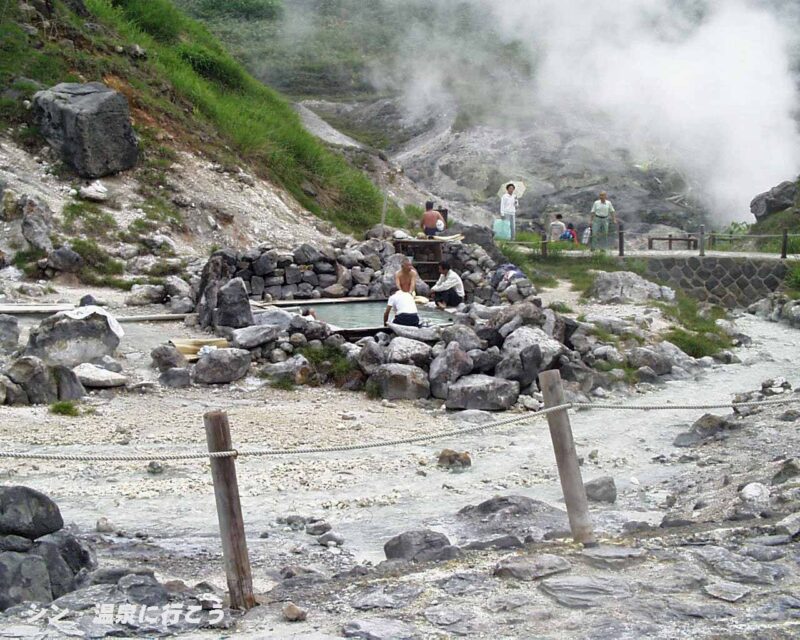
(406, 277)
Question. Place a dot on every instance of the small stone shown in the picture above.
(728, 591)
(528, 569)
(104, 525)
(451, 459)
(293, 613)
(154, 467)
(601, 490)
(330, 538)
(317, 528)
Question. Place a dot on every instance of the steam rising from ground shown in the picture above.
(705, 85)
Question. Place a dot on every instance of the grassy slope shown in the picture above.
(189, 87)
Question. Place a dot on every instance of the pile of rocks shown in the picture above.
(348, 269)
(64, 356)
(777, 308)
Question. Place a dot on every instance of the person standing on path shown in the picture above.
(508, 208)
(602, 209)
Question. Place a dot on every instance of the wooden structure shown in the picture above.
(690, 240)
(425, 256)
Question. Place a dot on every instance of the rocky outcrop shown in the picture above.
(623, 287)
(89, 125)
(69, 341)
(777, 199)
(222, 366)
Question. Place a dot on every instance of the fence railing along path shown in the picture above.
(222, 456)
(696, 243)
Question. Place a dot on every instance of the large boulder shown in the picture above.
(296, 370)
(69, 385)
(255, 336)
(23, 578)
(307, 254)
(217, 271)
(28, 513)
(447, 367)
(400, 382)
(520, 341)
(36, 221)
(222, 366)
(89, 125)
(482, 392)
(233, 309)
(660, 363)
(274, 317)
(9, 333)
(777, 199)
(145, 294)
(407, 351)
(419, 546)
(465, 336)
(371, 356)
(623, 287)
(65, 259)
(94, 377)
(65, 340)
(35, 378)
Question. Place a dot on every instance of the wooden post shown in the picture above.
(569, 470)
(649, 243)
(669, 242)
(544, 244)
(702, 240)
(712, 241)
(621, 234)
(785, 244)
(229, 512)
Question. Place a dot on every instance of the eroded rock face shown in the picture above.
(776, 199)
(61, 340)
(35, 378)
(621, 287)
(89, 125)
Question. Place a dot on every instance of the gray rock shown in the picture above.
(647, 357)
(448, 367)
(406, 351)
(601, 490)
(483, 393)
(317, 527)
(581, 592)
(378, 629)
(233, 306)
(35, 378)
(108, 363)
(386, 597)
(335, 291)
(525, 337)
(531, 568)
(255, 336)
(307, 254)
(733, 566)
(15, 543)
(94, 377)
(28, 513)
(608, 557)
(275, 317)
(145, 294)
(646, 374)
(36, 219)
(419, 546)
(65, 259)
(295, 369)
(222, 366)
(485, 361)
(465, 336)
(423, 334)
(704, 428)
(623, 287)
(497, 544)
(166, 356)
(62, 578)
(23, 578)
(331, 537)
(371, 356)
(728, 591)
(176, 287)
(9, 334)
(181, 306)
(776, 199)
(790, 525)
(11, 393)
(89, 126)
(400, 382)
(60, 340)
(175, 378)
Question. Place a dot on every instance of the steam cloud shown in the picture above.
(707, 86)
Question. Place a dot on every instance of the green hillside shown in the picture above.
(186, 92)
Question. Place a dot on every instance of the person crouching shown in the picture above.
(449, 289)
(404, 307)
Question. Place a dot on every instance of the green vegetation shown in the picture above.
(793, 278)
(697, 333)
(88, 218)
(189, 86)
(283, 383)
(372, 389)
(243, 9)
(329, 359)
(65, 408)
(560, 307)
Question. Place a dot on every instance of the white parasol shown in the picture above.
(519, 188)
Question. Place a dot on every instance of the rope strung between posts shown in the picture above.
(439, 435)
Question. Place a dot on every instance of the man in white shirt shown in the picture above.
(508, 208)
(449, 288)
(602, 210)
(405, 309)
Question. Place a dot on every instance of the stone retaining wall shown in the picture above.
(727, 281)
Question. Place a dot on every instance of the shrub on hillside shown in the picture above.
(247, 9)
(213, 66)
(159, 18)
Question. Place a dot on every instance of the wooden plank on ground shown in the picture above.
(24, 309)
(190, 347)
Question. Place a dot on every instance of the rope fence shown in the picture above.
(438, 435)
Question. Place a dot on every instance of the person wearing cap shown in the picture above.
(602, 210)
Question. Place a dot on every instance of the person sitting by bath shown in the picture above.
(404, 307)
(449, 289)
(432, 221)
(310, 313)
(406, 277)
